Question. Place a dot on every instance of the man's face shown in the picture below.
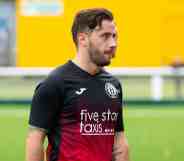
(102, 43)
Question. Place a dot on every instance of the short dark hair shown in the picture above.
(88, 19)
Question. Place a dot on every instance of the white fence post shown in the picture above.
(156, 87)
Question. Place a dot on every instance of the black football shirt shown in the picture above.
(79, 112)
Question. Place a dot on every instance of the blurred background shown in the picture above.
(35, 37)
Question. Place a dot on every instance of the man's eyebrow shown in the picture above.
(109, 33)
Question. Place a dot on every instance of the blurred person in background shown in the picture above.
(78, 107)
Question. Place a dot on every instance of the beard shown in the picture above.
(97, 57)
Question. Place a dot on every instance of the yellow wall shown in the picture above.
(150, 33)
(172, 33)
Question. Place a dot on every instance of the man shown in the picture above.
(79, 105)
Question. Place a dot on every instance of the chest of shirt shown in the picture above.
(94, 95)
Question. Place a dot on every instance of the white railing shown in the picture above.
(156, 75)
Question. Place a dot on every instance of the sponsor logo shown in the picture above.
(97, 123)
(80, 91)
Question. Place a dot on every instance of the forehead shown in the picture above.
(106, 26)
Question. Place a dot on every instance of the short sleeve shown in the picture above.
(120, 124)
(44, 106)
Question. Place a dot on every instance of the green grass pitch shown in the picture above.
(154, 133)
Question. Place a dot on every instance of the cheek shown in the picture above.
(97, 45)
(100, 48)
(100, 45)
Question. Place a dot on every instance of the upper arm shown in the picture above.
(120, 148)
(120, 123)
(34, 144)
(35, 136)
(44, 106)
(120, 138)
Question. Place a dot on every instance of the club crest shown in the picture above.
(111, 90)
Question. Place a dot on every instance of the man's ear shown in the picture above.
(82, 39)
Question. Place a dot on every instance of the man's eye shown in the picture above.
(114, 36)
(106, 36)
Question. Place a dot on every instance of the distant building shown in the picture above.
(7, 33)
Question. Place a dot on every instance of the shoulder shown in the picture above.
(58, 74)
(109, 76)
(55, 79)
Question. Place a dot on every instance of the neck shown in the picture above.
(83, 61)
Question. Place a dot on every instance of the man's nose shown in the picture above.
(113, 43)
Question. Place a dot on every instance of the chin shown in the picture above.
(105, 63)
